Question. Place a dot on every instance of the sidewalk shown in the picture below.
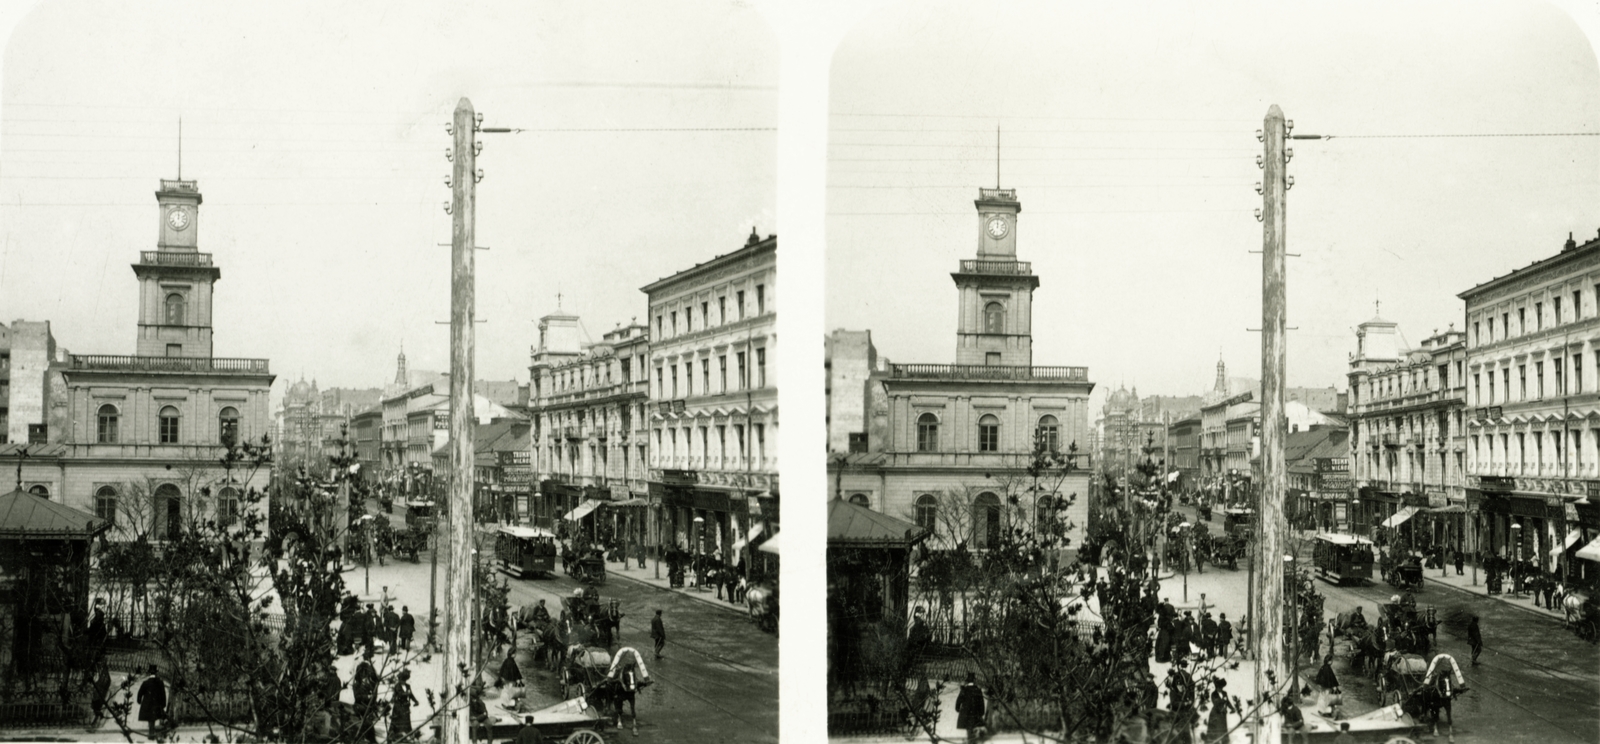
(1464, 583)
(647, 576)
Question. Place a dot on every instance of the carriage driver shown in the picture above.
(541, 613)
(629, 657)
(1358, 620)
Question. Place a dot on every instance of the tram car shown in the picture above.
(1342, 558)
(1236, 521)
(525, 552)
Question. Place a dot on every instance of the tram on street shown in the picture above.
(1342, 558)
(1237, 521)
(524, 552)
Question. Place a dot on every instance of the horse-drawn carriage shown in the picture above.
(575, 721)
(762, 603)
(587, 566)
(1226, 549)
(583, 668)
(1411, 629)
(587, 612)
(1403, 571)
(1400, 674)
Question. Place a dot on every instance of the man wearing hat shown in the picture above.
(970, 708)
(529, 733)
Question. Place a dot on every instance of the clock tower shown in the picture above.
(995, 326)
(176, 279)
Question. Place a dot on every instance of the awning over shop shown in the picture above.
(582, 510)
(770, 546)
(1451, 509)
(1400, 517)
(1590, 552)
(1573, 536)
(635, 501)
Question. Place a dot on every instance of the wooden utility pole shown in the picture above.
(1271, 673)
(458, 570)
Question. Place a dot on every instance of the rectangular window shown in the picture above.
(659, 333)
(1577, 305)
(1561, 386)
(705, 315)
(1444, 376)
(1522, 377)
(1491, 388)
(705, 376)
(627, 375)
(722, 442)
(1538, 315)
(744, 376)
(674, 322)
(722, 310)
(1522, 319)
(1555, 308)
(1505, 324)
(992, 358)
(739, 300)
(722, 372)
(174, 350)
(674, 380)
(760, 431)
(927, 433)
(761, 299)
(1577, 373)
(761, 368)
(1477, 331)
(988, 437)
(858, 442)
(1477, 389)
(661, 390)
(738, 439)
(1538, 377)
(39, 433)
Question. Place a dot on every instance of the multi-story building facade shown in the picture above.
(1533, 454)
(959, 437)
(1221, 474)
(590, 434)
(1184, 439)
(1317, 463)
(714, 394)
(366, 433)
(33, 400)
(143, 434)
(1407, 441)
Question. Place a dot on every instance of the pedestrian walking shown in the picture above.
(1166, 620)
(1217, 720)
(1474, 639)
(102, 692)
(1208, 636)
(1461, 561)
(1224, 635)
(367, 628)
(400, 702)
(364, 687)
(407, 628)
(510, 673)
(1180, 693)
(1182, 637)
(970, 708)
(152, 699)
(391, 627)
(658, 633)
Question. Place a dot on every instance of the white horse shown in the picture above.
(1572, 607)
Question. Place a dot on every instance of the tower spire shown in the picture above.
(997, 156)
(180, 148)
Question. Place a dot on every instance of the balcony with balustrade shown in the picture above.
(968, 372)
(166, 365)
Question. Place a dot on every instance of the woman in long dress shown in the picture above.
(1217, 720)
(400, 707)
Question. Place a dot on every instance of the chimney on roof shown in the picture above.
(1571, 244)
(754, 237)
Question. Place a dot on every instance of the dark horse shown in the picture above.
(608, 624)
(1366, 650)
(612, 692)
(1426, 703)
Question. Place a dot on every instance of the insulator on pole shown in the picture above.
(1260, 163)
(1288, 154)
(447, 208)
(1258, 187)
(1260, 137)
(450, 130)
(447, 182)
(477, 148)
(1258, 214)
(478, 177)
(449, 154)
(1288, 183)
(477, 121)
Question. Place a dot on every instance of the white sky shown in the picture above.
(1130, 138)
(316, 132)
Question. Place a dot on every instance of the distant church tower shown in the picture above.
(176, 280)
(1221, 385)
(995, 326)
(400, 368)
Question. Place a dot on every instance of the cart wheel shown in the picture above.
(585, 736)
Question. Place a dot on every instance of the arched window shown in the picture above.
(927, 511)
(227, 506)
(860, 499)
(1049, 434)
(927, 433)
(175, 309)
(105, 503)
(985, 520)
(167, 512)
(40, 490)
(106, 428)
(994, 318)
(169, 425)
(989, 433)
(228, 424)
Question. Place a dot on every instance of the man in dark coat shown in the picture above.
(1208, 636)
(364, 686)
(152, 700)
(529, 733)
(391, 627)
(1165, 622)
(1180, 692)
(369, 628)
(407, 627)
(658, 633)
(1224, 635)
(1474, 639)
(1461, 561)
(970, 708)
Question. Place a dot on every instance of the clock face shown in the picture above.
(178, 218)
(998, 227)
